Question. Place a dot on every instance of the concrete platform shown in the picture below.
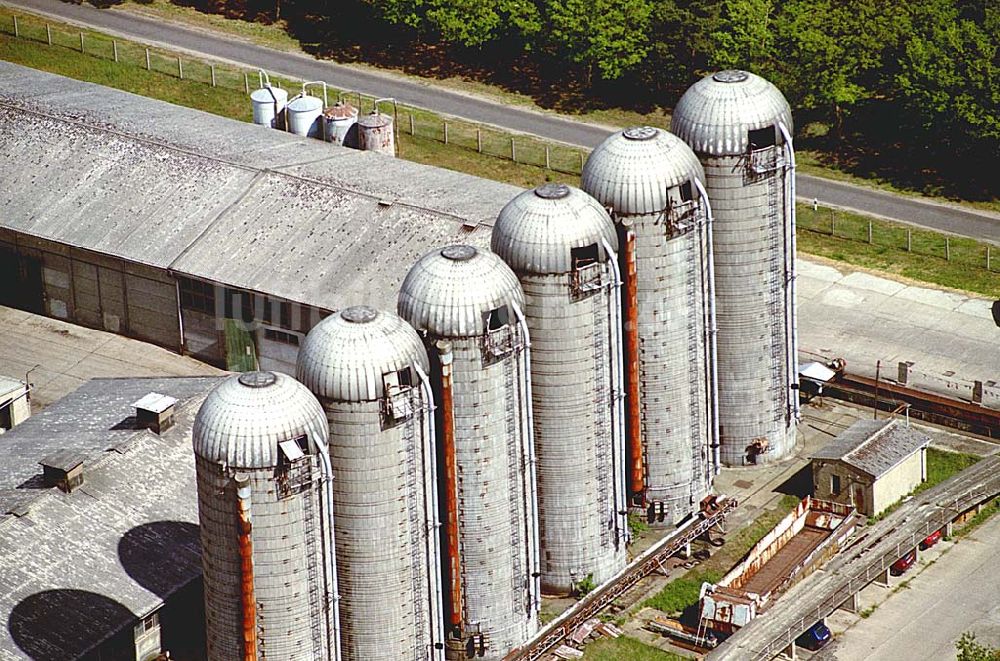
(864, 317)
(67, 355)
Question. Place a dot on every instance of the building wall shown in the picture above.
(15, 407)
(855, 486)
(899, 481)
(90, 289)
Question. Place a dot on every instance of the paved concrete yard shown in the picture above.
(865, 318)
(924, 619)
(68, 355)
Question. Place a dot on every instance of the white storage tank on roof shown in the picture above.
(303, 114)
(650, 180)
(561, 244)
(260, 443)
(368, 370)
(268, 105)
(740, 127)
(467, 305)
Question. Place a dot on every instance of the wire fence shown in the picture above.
(884, 234)
(485, 140)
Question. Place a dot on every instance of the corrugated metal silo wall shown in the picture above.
(493, 498)
(753, 344)
(380, 523)
(287, 559)
(571, 384)
(672, 297)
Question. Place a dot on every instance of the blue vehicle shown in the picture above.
(815, 637)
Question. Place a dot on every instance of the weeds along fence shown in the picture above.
(887, 235)
(419, 124)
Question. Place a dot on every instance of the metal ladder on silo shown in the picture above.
(776, 294)
(602, 407)
(695, 339)
(413, 500)
(512, 417)
(314, 556)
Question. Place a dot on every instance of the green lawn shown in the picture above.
(626, 649)
(942, 464)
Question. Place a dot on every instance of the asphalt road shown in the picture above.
(957, 593)
(936, 216)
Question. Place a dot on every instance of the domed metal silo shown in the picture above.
(368, 369)
(562, 245)
(263, 471)
(468, 306)
(740, 127)
(652, 183)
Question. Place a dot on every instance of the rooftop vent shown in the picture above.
(155, 412)
(63, 469)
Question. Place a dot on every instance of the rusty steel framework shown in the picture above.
(557, 630)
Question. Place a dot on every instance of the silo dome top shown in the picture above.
(716, 114)
(451, 292)
(632, 170)
(344, 357)
(242, 421)
(536, 231)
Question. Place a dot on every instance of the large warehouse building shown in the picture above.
(143, 218)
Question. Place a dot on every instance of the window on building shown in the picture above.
(147, 624)
(584, 256)
(281, 336)
(238, 304)
(835, 484)
(762, 138)
(687, 191)
(498, 318)
(196, 295)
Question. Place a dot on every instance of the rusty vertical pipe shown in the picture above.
(248, 601)
(450, 482)
(636, 468)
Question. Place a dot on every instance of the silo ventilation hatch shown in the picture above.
(459, 253)
(640, 133)
(359, 314)
(731, 76)
(257, 379)
(552, 191)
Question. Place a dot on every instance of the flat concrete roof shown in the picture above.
(223, 200)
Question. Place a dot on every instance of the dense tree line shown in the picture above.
(908, 90)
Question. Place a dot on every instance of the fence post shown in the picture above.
(48, 33)
(947, 249)
(833, 223)
(114, 48)
(479, 140)
(147, 60)
(412, 126)
(547, 158)
(360, 100)
(445, 132)
(909, 240)
(16, 33)
(581, 162)
(180, 68)
(81, 41)
(869, 231)
(246, 82)
(212, 69)
(988, 257)
(513, 152)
